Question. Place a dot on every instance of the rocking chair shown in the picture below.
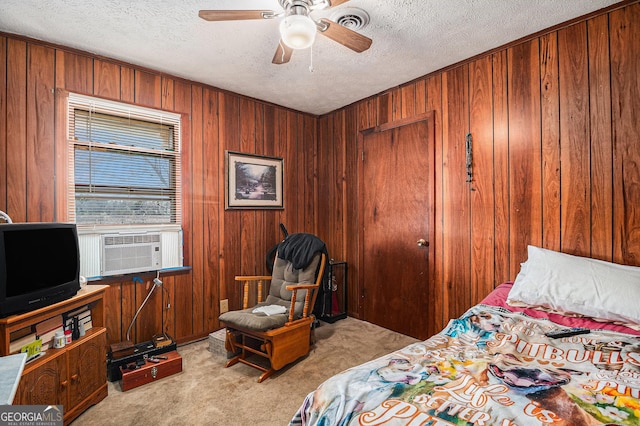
(280, 327)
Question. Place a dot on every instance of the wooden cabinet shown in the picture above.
(44, 385)
(74, 376)
(86, 374)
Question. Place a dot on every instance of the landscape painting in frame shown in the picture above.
(253, 181)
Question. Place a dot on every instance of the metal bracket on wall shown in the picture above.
(469, 150)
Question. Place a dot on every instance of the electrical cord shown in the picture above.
(5, 216)
(156, 283)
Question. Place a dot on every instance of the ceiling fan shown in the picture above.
(297, 28)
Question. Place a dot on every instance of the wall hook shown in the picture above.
(469, 150)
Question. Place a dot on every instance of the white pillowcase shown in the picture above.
(577, 285)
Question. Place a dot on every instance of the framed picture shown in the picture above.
(253, 181)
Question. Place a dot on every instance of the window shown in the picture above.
(126, 164)
(124, 185)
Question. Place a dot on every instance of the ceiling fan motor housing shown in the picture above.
(308, 5)
(296, 7)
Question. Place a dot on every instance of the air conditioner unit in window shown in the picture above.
(127, 253)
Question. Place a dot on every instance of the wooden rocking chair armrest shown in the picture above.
(252, 277)
(245, 279)
(294, 287)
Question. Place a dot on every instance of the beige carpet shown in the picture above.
(206, 393)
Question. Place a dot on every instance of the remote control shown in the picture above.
(566, 332)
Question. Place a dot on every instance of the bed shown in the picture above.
(495, 365)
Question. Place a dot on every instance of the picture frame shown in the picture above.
(253, 181)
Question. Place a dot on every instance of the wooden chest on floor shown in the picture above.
(151, 371)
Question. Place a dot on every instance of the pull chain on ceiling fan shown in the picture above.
(297, 28)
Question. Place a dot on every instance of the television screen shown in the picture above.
(39, 265)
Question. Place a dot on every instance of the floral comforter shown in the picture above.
(488, 367)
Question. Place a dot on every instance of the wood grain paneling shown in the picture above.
(288, 133)
(271, 230)
(525, 181)
(106, 79)
(421, 97)
(408, 101)
(250, 257)
(502, 245)
(61, 150)
(574, 136)
(259, 219)
(167, 99)
(385, 108)
(456, 208)
(367, 116)
(435, 103)
(625, 111)
(336, 203)
(193, 298)
(148, 89)
(231, 229)
(127, 84)
(481, 185)
(113, 300)
(149, 321)
(213, 195)
(549, 100)
(309, 176)
(40, 134)
(128, 306)
(601, 146)
(352, 215)
(169, 290)
(3, 124)
(16, 130)
(74, 72)
(555, 122)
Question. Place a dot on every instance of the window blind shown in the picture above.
(125, 164)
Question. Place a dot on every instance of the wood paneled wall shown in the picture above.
(555, 124)
(218, 244)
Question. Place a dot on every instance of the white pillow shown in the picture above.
(577, 285)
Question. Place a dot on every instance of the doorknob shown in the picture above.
(423, 243)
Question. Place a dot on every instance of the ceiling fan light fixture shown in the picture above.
(298, 31)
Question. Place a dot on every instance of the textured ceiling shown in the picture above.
(411, 38)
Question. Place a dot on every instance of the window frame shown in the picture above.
(75, 101)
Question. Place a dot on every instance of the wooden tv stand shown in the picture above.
(74, 376)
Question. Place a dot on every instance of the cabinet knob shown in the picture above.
(63, 384)
(74, 378)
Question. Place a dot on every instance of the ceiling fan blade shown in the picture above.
(333, 3)
(283, 54)
(235, 15)
(345, 36)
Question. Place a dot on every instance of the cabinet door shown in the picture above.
(45, 385)
(87, 367)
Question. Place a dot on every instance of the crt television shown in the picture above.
(39, 265)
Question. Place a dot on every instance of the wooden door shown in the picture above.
(397, 190)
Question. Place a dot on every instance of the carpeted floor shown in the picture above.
(206, 393)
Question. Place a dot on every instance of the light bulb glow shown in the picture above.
(298, 31)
